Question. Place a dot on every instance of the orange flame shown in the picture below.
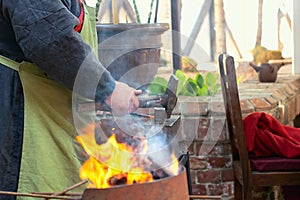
(114, 163)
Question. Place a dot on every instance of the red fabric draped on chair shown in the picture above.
(266, 136)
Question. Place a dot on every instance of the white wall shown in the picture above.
(241, 16)
(296, 34)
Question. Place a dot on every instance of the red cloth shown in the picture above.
(266, 136)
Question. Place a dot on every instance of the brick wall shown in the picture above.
(203, 129)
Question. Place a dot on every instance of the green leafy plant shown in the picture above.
(158, 86)
(199, 86)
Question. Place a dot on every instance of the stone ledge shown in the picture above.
(281, 99)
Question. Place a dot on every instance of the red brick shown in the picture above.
(294, 86)
(191, 106)
(207, 176)
(217, 129)
(279, 96)
(260, 104)
(246, 106)
(219, 162)
(271, 101)
(212, 129)
(224, 149)
(188, 128)
(215, 189)
(191, 149)
(204, 149)
(203, 128)
(227, 175)
(199, 189)
(220, 189)
(217, 107)
(197, 163)
(288, 90)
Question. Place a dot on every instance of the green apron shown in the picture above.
(49, 159)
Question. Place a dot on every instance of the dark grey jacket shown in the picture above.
(41, 32)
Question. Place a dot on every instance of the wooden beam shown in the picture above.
(233, 40)
(194, 34)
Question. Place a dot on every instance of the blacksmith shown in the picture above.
(42, 46)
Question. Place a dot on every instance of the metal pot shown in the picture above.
(131, 52)
(267, 72)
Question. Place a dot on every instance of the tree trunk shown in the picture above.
(220, 27)
(259, 23)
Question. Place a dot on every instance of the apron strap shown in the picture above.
(78, 28)
(9, 63)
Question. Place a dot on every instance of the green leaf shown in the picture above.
(180, 75)
(210, 79)
(191, 87)
(158, 86)
(181, 82)
(199, 80)
(204, 91)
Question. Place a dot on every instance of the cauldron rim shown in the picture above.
(128, 26)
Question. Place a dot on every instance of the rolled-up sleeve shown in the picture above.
(45, 32)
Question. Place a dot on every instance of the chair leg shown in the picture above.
(242, 192)
(238, 190)
(248, 193)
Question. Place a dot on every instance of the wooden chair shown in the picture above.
(246, 176)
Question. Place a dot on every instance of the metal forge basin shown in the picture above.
(170, 188)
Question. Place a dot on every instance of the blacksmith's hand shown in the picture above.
(123, 99)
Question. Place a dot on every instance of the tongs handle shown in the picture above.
(144, 102)
(150, 101)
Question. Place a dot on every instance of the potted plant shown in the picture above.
(130, 51)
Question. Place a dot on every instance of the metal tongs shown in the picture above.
(167, 100)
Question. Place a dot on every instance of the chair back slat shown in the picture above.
(234, 113)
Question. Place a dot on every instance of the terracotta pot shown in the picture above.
(131, 52)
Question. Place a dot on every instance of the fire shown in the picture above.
(114, 163)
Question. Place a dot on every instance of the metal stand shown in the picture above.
(184, 160)
(176, 43)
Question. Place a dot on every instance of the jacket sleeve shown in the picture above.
(45, 32)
